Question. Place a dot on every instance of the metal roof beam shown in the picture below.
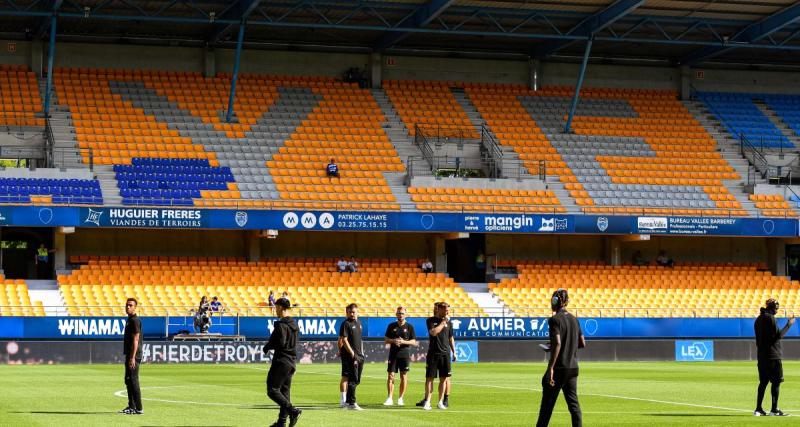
(421, 17)
(247, 7)
(749, 35)
(591, 25)
(44, 26)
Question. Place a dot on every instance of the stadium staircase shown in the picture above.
(404, 145)
(486, 300)
(66, 153)
(46, 294)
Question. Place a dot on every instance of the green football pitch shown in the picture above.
(491, 394)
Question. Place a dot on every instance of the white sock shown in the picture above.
(344, 396)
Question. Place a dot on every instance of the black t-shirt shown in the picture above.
(768, 337)
(132, 327)
(566, 326)
(351, 330)
(440, 344)
(406, 332)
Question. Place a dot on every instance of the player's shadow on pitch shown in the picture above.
(316, 407)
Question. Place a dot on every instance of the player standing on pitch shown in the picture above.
(437, 362)
(352, 354)
(132, 349)
(400, 336)
(562, 371)
(283, 341)
(770, 367)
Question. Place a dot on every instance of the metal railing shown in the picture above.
(756, 158)
(696, 212)
(184, 314)
(446, 134)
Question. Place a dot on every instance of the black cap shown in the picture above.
(283, 302)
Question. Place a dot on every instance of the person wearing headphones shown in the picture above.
(770, 367)
(562, 370)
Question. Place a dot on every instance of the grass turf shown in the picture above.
(491, 394)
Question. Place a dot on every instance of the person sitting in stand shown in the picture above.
(216, 306)
(663, 260)
(352, 265)
(332, 169)
(427, 266)
(341, 265)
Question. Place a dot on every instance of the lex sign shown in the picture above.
(694, 351)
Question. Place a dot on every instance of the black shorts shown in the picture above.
(399, 364)
(770, 370)
(438, 366)
(349, 366)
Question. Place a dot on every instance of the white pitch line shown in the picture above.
(610, 396)
(121, 393)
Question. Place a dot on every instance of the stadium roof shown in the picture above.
(678, 31)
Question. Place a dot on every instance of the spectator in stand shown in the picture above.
(271, 299)
(332, 169)
(663, 260)
(427, 266)
(341, 265)
(216, 306)
(638, 259)
(352, 265)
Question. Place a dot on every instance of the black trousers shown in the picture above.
(353, 374)
(132, 384)
(279, 386)
(568, 382)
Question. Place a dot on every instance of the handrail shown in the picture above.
(495, 153)
(421, 141)
(50, 143)
(364, 311)
(760, 162)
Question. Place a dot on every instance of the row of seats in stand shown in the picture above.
(44, 191)
(173, 182)
(787, 107)
(623, 138)
(741, 117)
(773, 205)
(485, 200)
(16, 301)
(20, 101)
(687, 290)
(175, 285)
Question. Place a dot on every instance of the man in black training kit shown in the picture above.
(132, 349)
(400, 336)
(437, 362)
(770, 367)
(562, 371)
(283, 341)
(352, 354)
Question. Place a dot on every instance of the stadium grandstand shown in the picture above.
(643, 154)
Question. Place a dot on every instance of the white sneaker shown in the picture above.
(388, 402)
(441, 406)
(354, 407)
(400, 402)
(342, 404)
(427, 406)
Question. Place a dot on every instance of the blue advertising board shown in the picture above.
(694, 351)
(188, 218)
(467, 351)
(464, 328)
